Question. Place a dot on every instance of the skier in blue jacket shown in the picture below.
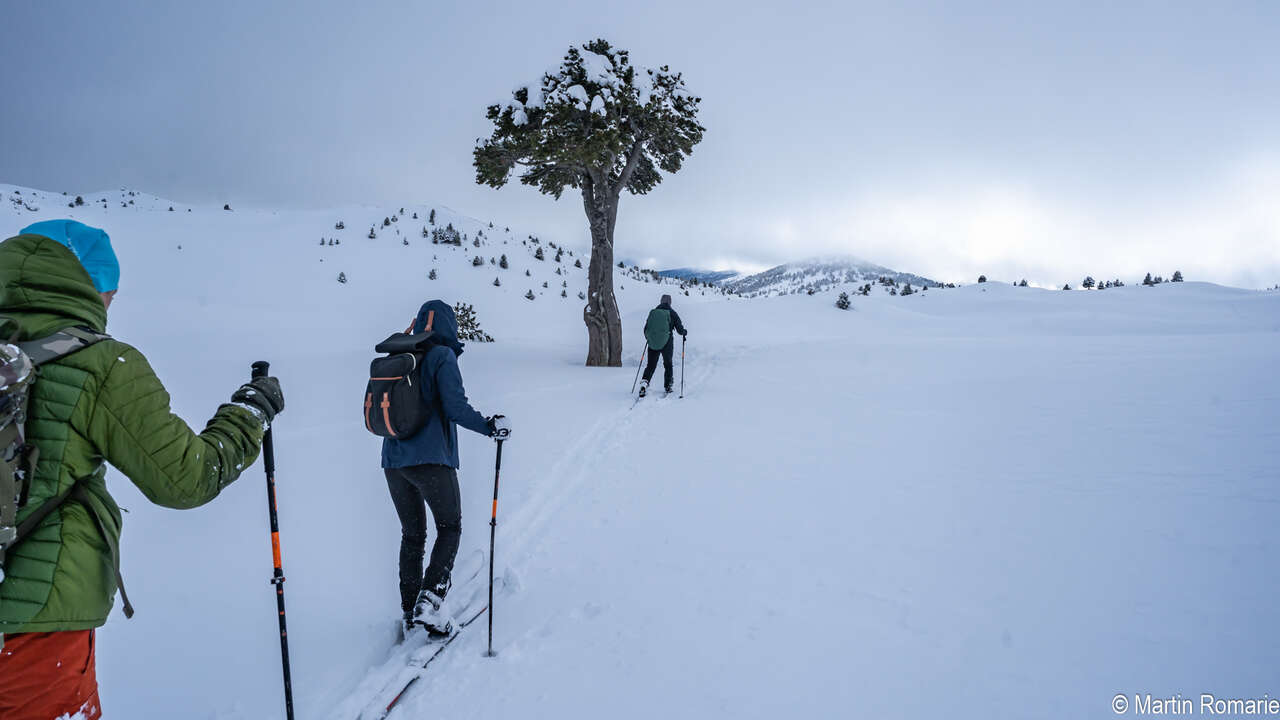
(422, 470)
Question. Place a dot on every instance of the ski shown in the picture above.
(420, 663)
(470, 593)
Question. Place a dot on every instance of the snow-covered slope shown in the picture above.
(980, 502)
(817, 275)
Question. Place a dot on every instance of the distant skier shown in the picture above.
(423, 469)
(95, 401)
(657, 333)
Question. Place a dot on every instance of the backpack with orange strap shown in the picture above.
(393, 403)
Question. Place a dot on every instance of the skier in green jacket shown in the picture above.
(658, 329)
(100, 404)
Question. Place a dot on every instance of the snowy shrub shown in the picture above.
(1177, 276)
(502, 262)
(372, 234)
(1087, 283)
(342, 277)
(469, 324)
(582, 295)
(1066, 287)
(1022, 283)
(982, 278)
(386, 222)
(432, 275)
(564, 294)
(432, 218)
(227, 207)
(529, 295)
(80, 201)
(528, 274)
(477, 262)
(577, 263)
(497, 282)
(842, 302)
(538, 255)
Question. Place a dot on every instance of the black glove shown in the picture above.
(684, 333)
(499, 427)
(263, 393)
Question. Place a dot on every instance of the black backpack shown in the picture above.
(393, 402)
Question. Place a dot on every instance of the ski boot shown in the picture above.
(644, 387)
(429, 612)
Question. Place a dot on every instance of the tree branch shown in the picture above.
(633, 159)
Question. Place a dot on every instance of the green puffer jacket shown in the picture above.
(103, 404)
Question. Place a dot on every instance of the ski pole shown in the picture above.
(633, 382)
(493, 529)
(277, 579)
(683, 340)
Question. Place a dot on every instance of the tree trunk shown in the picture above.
(604, 323)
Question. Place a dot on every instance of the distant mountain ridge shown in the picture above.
(708, 276)
(818, 274)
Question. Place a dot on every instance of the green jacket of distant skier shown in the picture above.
(661, 322)
(103, 404)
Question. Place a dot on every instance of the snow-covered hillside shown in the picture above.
(819, 275)
(978, 502)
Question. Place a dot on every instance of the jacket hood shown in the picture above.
(443, 323)
(44, 288)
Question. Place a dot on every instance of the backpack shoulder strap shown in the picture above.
(60, 344)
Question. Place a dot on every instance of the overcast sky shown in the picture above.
(943, 139)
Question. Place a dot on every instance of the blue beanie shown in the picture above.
(91, 245)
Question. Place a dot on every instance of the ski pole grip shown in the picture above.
(260, 369)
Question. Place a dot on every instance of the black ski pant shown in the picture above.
(436, 486)
(668, 367)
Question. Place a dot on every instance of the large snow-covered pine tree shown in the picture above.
(599, 125)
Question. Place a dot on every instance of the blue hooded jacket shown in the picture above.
(437, 442)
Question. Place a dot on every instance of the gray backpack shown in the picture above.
(19, 367)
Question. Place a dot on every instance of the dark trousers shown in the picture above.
(436, 486)
(668, 368)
